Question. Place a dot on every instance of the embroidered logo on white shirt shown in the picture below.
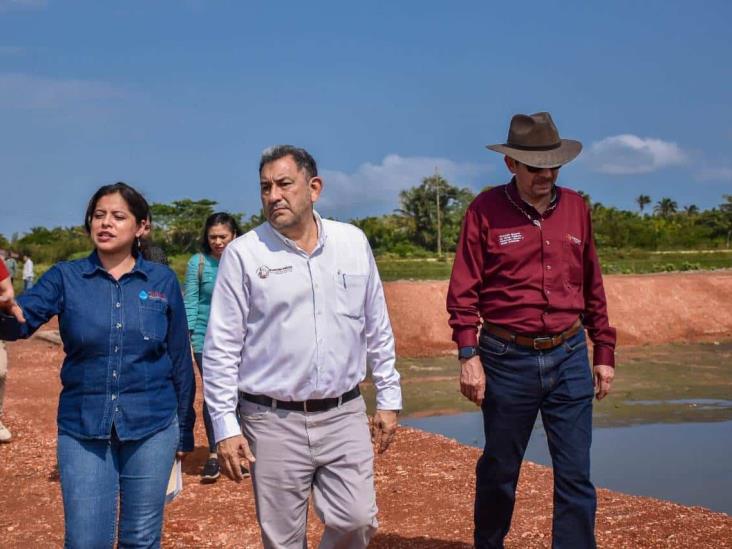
(509, 238)
(264, 271)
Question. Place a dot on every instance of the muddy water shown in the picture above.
(665, 431)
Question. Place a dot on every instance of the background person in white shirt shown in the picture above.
(297, 313)
(28, 275)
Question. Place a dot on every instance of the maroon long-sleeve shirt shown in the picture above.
(529, 273)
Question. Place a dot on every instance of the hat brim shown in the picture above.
(567, 151)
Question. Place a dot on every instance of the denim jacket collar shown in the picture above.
(93, 265)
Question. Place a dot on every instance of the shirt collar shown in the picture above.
(553, 203)
(292, 244)
(93, 264)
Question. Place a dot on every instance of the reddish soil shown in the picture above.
(424, 482)
(658, 308)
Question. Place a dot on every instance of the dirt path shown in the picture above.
(657, 308)
(424, 489)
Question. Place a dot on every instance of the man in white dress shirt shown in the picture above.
(297, 314)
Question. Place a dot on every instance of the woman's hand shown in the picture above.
(10, 307)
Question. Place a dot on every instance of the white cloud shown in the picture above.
(629, 154)
(15, 5)
(714, 174)
(23, 91)
(373, 189)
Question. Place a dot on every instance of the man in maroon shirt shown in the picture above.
(527, 268)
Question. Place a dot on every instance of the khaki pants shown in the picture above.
(3, 374)
(328, 453)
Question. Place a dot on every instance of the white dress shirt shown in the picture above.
(28, 268)
(294, 326)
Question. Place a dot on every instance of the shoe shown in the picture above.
(5, 435)
(210, 471)
(245, 472)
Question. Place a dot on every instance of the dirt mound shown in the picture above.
(645, 309)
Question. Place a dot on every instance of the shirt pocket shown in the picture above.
(351, 294)
(153, 320)
(572, 259)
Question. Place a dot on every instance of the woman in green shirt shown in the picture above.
(220, 229)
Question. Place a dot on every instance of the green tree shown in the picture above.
(691, 210)
(390, 233)
(178, 226)
(642, 200)
(420, 205)
(665, 207)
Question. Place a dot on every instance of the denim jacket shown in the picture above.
(128, 360)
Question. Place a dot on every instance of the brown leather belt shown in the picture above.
(537, 343)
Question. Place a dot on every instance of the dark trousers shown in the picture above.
(206, 416)
(520, 383)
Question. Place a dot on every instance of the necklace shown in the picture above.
(536, 222)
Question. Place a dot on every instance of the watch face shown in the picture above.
(467, 352)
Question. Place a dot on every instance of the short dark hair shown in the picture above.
(218, 218)
(302, 158)
(135, 202)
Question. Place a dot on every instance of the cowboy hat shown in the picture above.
(534, 140)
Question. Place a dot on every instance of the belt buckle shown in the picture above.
(539, 340)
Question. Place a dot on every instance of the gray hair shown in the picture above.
(302, 158)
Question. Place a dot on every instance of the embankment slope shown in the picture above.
(645, 309)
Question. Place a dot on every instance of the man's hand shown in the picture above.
(10, 307)
(383, 428)
(472, 379)
(603, 379)
(231, 451)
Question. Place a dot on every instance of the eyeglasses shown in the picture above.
(534, 169)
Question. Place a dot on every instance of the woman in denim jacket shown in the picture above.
(219, 230)
(126, 406)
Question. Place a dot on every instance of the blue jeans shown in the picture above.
(520, 383)
(96, 473)
(27, 284)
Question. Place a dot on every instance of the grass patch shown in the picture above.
(612, 261)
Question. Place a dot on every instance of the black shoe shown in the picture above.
(245, 472)
(210, 471)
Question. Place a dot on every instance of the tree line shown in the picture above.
(428, 220)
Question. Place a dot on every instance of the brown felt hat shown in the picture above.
(534, 140)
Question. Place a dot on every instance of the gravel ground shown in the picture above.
(424, 489)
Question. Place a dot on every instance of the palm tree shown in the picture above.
(642, 200)
(691, 210)
(665, 207)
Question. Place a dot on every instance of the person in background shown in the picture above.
(28, 274)
(150, 251)
(12, 265)
(6, 292)
(218, 231)
(126, 405)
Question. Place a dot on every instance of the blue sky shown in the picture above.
(179, 98)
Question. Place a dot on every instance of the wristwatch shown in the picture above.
(465, 353)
